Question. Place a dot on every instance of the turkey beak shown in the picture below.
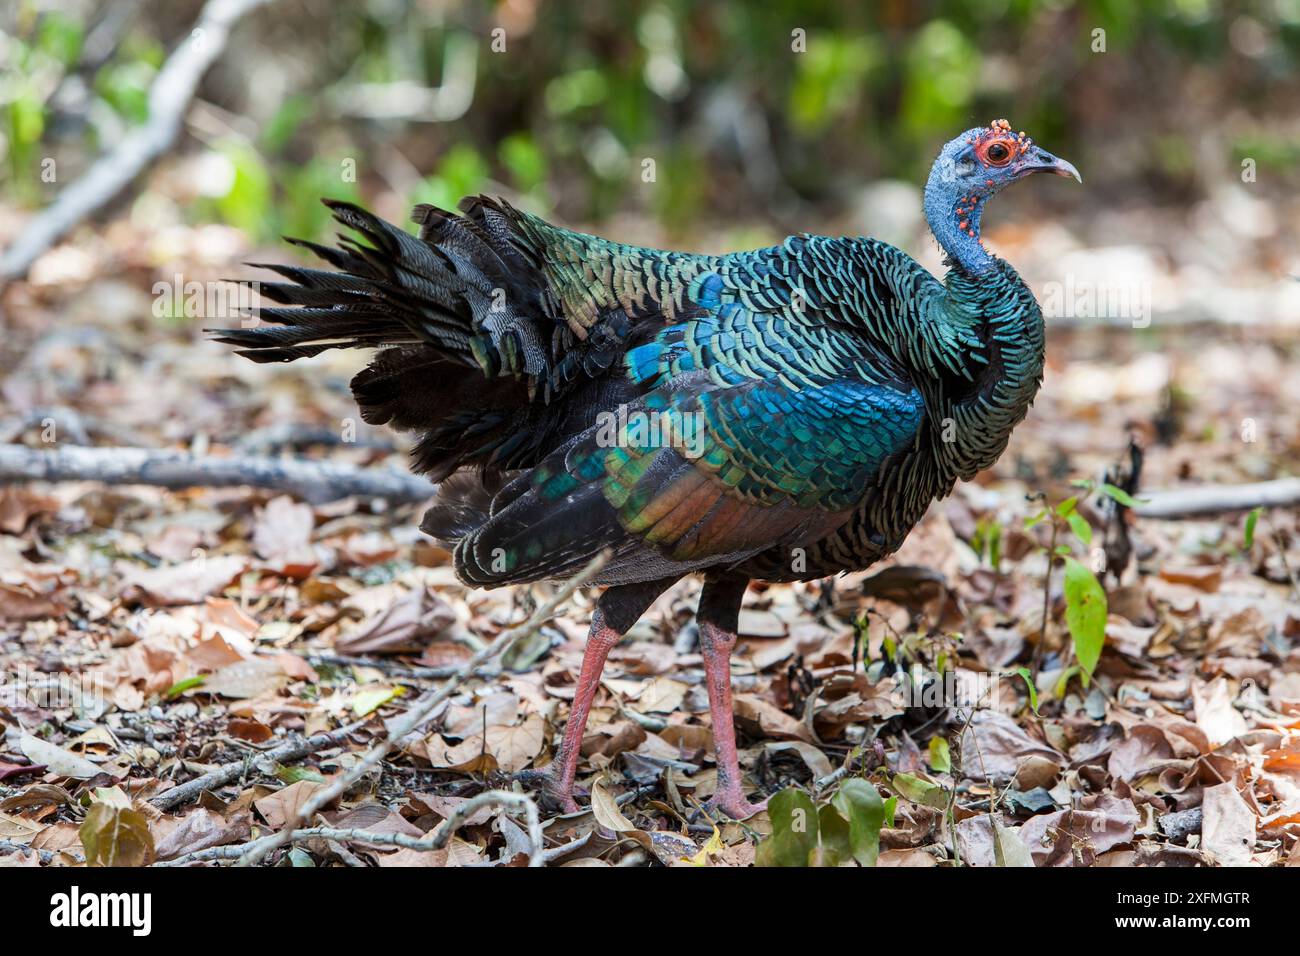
(1045, 162)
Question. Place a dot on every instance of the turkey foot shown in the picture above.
(551, 786)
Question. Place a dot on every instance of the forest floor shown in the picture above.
(177, 632)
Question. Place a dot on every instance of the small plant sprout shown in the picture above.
(1085, 599)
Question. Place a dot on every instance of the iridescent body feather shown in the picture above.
(785, 413)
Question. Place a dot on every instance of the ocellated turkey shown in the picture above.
(781, 414)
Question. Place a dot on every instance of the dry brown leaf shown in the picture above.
(59, 761)
(282, 806)
(1002, 746)
(283, 528)
(20, 603)
(405, 626)
(468, 756)
(1205, 577)
(1215, 714)
(18, 505)
(212, 654)
(250, 730)
(198, 830)
(455, 853)
(18, 829)
(909, 857)
(1069, 837)
(813, 759)
(605, 808)
(1144, 749)
(186, 583)
(255, 677)
(771, 720)
(514, 747)
(661, 695)
(1228, 825)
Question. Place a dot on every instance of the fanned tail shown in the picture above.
(455, 312)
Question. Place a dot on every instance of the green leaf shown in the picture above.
(794, 830)
(859, 803)
(987, 541)
(1066, 507)
(1079, 525)
(920, 791)
(834, 835)
(1251, 520)
(1063, 682)
(1033, 688)
(891, 808)
(294, 774)
(61, 37)
(1122, 496)
(1085, 615)
(890, 647)
(1035, 519)
(940, 757)
(181, 686)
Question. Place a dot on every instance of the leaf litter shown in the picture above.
(153, 636)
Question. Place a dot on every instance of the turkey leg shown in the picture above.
(616, 611)
(718, 615)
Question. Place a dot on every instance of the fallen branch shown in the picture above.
(235, 850)
(295, 749)
(395, 668)
(1217, 499)
(169, 96)
(417, 715)
(312, 481)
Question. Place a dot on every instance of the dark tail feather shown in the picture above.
(456, 314)
(393, 289)
(463, 504)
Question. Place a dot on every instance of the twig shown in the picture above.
(300, 435)
(293, 750)
(235, 850)
(1040, 649)
(1217, 499)
(392, 668)
(347, 856)
(312, 481)
(418, 714)
(169, 96)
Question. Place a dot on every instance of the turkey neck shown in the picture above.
(975, 416)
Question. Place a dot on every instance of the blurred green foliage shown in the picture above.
(745, 109)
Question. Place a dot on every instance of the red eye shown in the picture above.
(997, 153)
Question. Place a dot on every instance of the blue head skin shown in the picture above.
(969, 170)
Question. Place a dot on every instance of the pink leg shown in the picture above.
(562, 771)
(716, 644)
(617, 610)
